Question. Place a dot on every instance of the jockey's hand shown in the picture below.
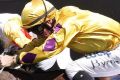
(7, 61)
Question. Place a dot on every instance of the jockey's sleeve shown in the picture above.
(53, 45)
(14, 31)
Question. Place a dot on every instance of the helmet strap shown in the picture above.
(45, 10)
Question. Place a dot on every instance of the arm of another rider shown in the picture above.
(13, 31)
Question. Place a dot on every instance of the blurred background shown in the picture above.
(109, 8)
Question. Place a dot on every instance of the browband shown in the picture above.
(40, 17)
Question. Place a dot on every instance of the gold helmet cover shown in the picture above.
(36, 12)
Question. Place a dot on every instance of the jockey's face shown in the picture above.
(46, 32)
(46, 28)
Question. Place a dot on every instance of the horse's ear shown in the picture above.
(36, 2)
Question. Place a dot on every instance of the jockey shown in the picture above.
(83, 31)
